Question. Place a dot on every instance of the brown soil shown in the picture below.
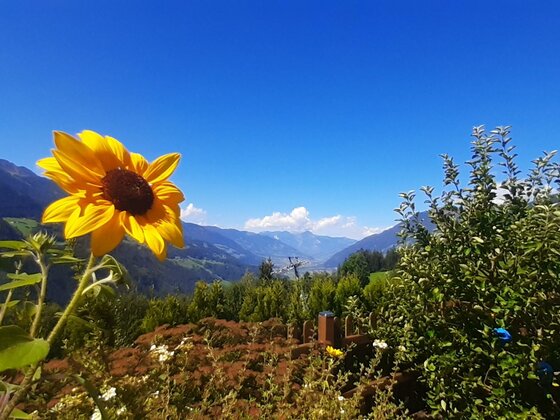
(247, 353)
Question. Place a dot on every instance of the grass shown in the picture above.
(379, 276)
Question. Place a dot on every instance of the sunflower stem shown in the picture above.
(30, 373)
(8, 298)
(5, 305)
(43, 293)
(73, 302)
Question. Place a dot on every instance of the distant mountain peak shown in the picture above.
(28, 193)
(13, 169)
(382, 241)
(309, 245)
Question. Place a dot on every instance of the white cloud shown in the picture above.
(193, 214)
(296, 221)
(327, 222)
(299, 220)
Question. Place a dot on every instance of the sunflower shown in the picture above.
(112, 192)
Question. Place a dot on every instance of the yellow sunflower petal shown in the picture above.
(60, 210)
(106, 238)
(76, 170)
(139, 163)
(155, 242)
(111, 153)
(63, 180)
(119, 150)
(162, 168)
(49, 164)
(132, 227)
(156, 214)
(78, 152)
(72, 219)
(173, 212)
(168, 193)
(172, 232)
(93, 217)
(55, 172)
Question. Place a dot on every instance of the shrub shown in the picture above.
(321, 294)
(208, 301)
(348, 286)
(266, 300)
(492, 262)
(172, 310)
(377, 286)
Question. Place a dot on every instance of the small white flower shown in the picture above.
(96, 415)
(109, 394)
(341, 398)
(121, 410)
(402, 348)
(163, 357)
(162, 353)
(379, 344)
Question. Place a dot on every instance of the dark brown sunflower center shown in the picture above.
(128, 191)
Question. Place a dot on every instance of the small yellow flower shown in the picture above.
(334, 352)
(113, 192)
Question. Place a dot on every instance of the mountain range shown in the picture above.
(315, 247)
(24, 193)
(210, 253)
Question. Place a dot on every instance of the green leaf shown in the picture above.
(38, 374)
(24, 276)
(18, 414)
(29, 308)
(21, 280)
(103, 290)
(60, 257)
(11, 304)
(8, 387)
(17, 245)
(19, 349)
(14, 254)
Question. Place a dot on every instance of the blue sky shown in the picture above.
(288, 114)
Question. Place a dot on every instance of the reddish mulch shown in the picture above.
(242, 350)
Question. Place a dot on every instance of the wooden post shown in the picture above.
(326, 328)
(294, 332)
(337, 332)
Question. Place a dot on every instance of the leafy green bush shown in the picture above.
(209, 301)
(364, 262)
(129, 312)
(172, 310)
(378, 284)
(493, 261)
(347, 287)
(266, 300)
(116, 320)
(321, 294)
